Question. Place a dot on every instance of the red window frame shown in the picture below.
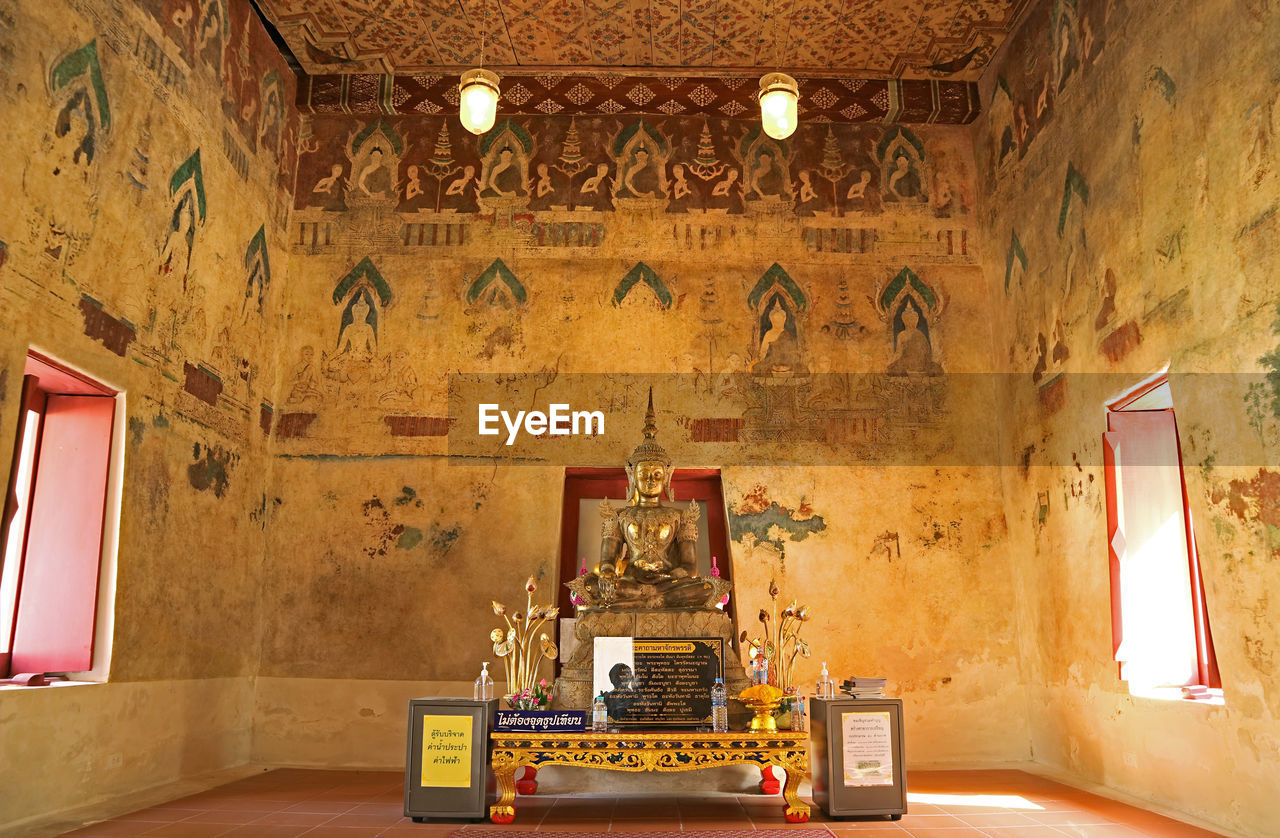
(53, 614)
(1160, 420)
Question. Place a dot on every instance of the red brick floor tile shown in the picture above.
(1074, 817)
(182, 829)
(266, 830)
(307, 819)
(114, 829)
(158, 816)
(330, 807)
(1111, 830)
(231, 817)
(993, 819)
(913, 821)
(352, 804)
(369, 821)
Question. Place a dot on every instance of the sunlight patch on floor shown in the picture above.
(1004, 801)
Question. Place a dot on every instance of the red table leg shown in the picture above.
(528, 784)
(769, 783)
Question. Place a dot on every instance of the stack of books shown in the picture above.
(864, 687)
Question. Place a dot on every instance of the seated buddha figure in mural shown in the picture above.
(647, 548)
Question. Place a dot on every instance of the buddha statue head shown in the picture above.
(649, 466)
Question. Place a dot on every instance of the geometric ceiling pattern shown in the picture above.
(851, 38)
(588, 93)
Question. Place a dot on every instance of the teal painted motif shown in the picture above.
(1074, 185)
(500, 272)
(642, 273)
(892, 135)
(777, 276)
(84, 62)
(640, 127)
(756, 133)
(1016, 253)
(1161, 81)
(365, 270)
(907, 278)
(190, 171)
(259, 268)
(769, 522)
(511, 127)
(1002, 85)
(387, 131)
(1264, 396)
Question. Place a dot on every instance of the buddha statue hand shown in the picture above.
(607, 583)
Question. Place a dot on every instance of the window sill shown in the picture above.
(5, 686)
(1213, 696)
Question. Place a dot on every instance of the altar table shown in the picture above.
(649, 751)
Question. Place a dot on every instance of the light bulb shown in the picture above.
(478, 100)
(779, 101)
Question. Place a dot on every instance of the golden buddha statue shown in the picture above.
(648, 550)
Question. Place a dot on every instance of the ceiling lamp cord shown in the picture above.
(779, 97)
(478, 88)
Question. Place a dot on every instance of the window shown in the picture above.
(1160, 627)
(53, 526)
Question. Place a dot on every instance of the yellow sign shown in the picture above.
(446, 751)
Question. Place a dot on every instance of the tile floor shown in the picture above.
(361, 804)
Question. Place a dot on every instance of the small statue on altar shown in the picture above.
(648, 549)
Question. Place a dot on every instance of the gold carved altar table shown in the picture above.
(650, 751)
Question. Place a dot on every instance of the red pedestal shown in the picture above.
(528, 784)
(769, 782)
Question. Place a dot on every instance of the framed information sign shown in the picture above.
(657, 681)
(447, 763)
(858, 757)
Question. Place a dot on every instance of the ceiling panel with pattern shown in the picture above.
(864, 38)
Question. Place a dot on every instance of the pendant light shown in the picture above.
(779, 101)
(478, 90)
(779, 97)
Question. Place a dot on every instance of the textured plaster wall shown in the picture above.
(1129, 178)
(142, 217)
(442, 256)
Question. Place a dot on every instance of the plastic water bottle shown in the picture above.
(760, 669)
(599, 715)
(484, 685)
(825, 688)
(719, 707)
(798, 722)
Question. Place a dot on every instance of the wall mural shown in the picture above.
(1043, 62)
(223, 40)
(762, 264)
(612, 164)
(84, 112)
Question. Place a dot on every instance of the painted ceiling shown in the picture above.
(951, 39)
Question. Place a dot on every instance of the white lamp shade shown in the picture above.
(779, 100)
(478, 100)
